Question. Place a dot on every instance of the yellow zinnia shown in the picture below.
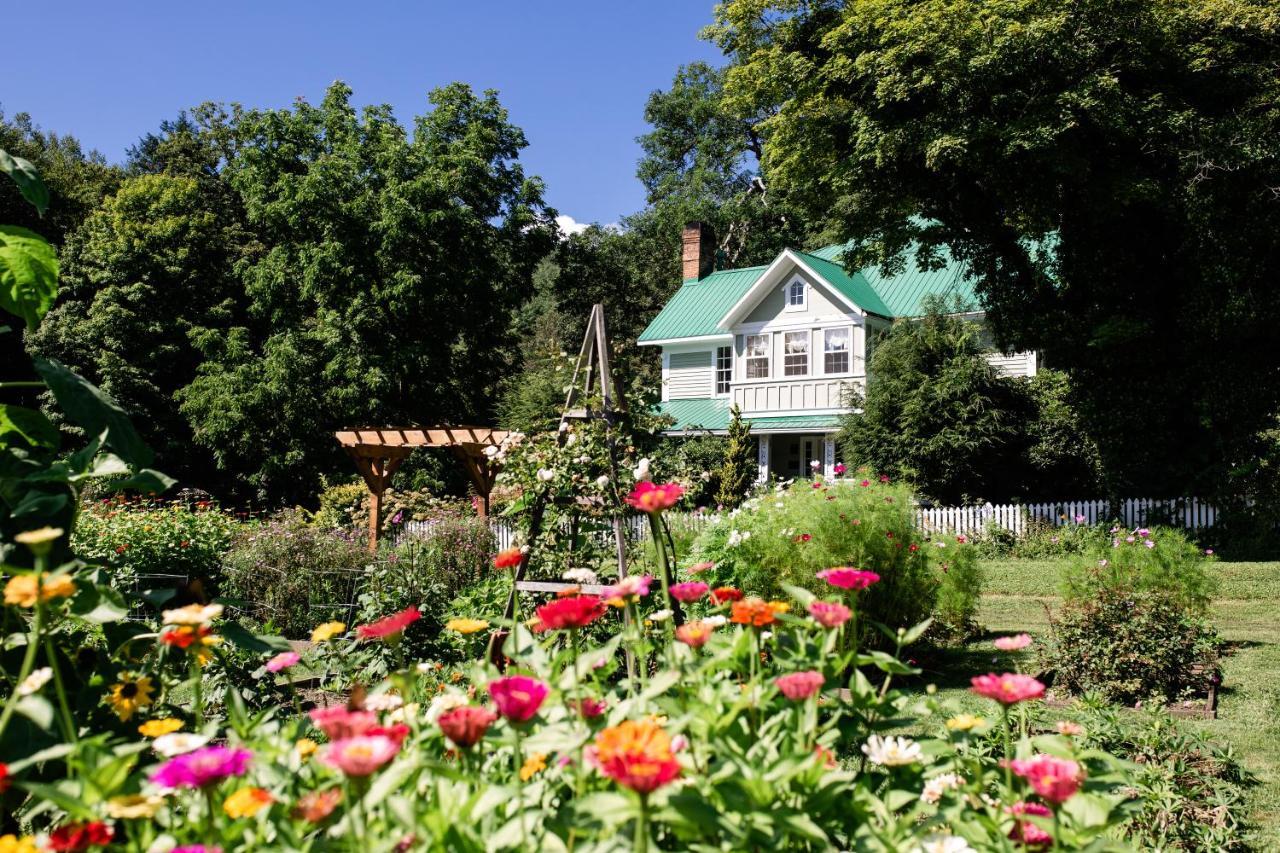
(14, 844)
(134, 806)
(964, 723)
(328, 631)
(156, 728)
(246, 802)
(466, 626)
(21, 589)
(306, 747)
(532, 766)
(130, 695)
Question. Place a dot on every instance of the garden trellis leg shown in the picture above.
(591, 366)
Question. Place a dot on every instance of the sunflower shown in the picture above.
(130, 695)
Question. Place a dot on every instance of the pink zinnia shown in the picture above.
(1015, 643)
(848, 578)
(203, 767)
(389, 627)
(1054, 779)
(829, 614)
(518, 697)
(284, 660)
(465, 726)
(689, 591)
(1026, 832)
(1008, 689)
(798, 686)
(338, 721)
(591, 708)
(650, 497)
(196, 848)
(699, 568)
(360, 756)
(631, 585)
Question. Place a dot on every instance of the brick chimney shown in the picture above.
(698, 250)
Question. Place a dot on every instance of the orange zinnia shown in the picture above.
(638, 755)
(757, 611)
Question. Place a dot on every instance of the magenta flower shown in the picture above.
(1054, 779)
(204, 767)
(798, 686)
(1008, 689)
(829, 614)
(689, 591)
(196, 848)
(360, 756)
(849, 578)
(518, 697)
(284, 660)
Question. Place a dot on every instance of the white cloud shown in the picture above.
(569, 226)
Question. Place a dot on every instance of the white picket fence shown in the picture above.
(1190, 513)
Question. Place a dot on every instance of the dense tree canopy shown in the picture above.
(1109, 170)
(269, 276)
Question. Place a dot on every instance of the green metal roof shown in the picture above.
(713, 414)
(698, 306)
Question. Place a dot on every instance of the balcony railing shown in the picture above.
(798, 394)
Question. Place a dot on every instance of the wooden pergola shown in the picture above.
(378, 452)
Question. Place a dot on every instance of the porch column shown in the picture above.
(763, 459)
(829, 456)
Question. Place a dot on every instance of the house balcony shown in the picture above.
(756, 397)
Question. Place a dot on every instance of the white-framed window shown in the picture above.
(835, 349)
(796, 294)
(724, 370)
(795, 353)
(757, 354)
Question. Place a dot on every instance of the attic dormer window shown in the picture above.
(796, 295)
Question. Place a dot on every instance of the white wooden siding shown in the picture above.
(690, 375)
(1015, 364)
(792, 394)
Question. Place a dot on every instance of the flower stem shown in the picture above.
(515, 763)
(197, 689)
(641, 844)
(68, 722)
(1008, 755)
(33, 646)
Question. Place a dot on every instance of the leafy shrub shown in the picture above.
(136, 538)
(428, 571)
(786, 536)
(1158, 559)
(341, 504)
(294, 574)
(1128, 645)
(1041, 540)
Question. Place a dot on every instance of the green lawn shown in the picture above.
(1247, 613)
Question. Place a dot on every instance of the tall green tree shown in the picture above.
(1108, 168)
(738, 471)
(386, 271)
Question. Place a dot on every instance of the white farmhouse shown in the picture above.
(784, 343)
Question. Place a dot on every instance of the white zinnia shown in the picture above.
(383, 702)
(193, 614)
(891, 751)
(942, 843)
(546, 474)
(33, 682)
(716, 621)
(444, 702)
(178, 743)
(939, 785)
(641, 471)
(602, 481)
(581, 576)
(660, 615)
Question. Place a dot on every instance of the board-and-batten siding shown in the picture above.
(689, 375)
(1015, 364)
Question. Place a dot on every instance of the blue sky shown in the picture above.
(574, 75)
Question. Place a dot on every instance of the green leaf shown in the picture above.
(91, 408)
(28, 274)
(31, 426)
(36, 709)
(27, 178)
(50, 754)
(39, 504)
(99, 604)
(147, 481)
(240, 637)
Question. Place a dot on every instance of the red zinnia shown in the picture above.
(569, 613)
(4, 777)
(397, 732)
(389, 627)
(466, 725)
(75, 837)
(508, 558)
(649, 497)
(724, 594)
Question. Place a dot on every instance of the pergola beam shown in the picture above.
(378, 452)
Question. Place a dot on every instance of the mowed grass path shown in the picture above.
(1246, 612)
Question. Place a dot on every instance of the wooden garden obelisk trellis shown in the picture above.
(591, 368)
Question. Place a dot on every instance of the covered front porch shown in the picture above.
(790, 455)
